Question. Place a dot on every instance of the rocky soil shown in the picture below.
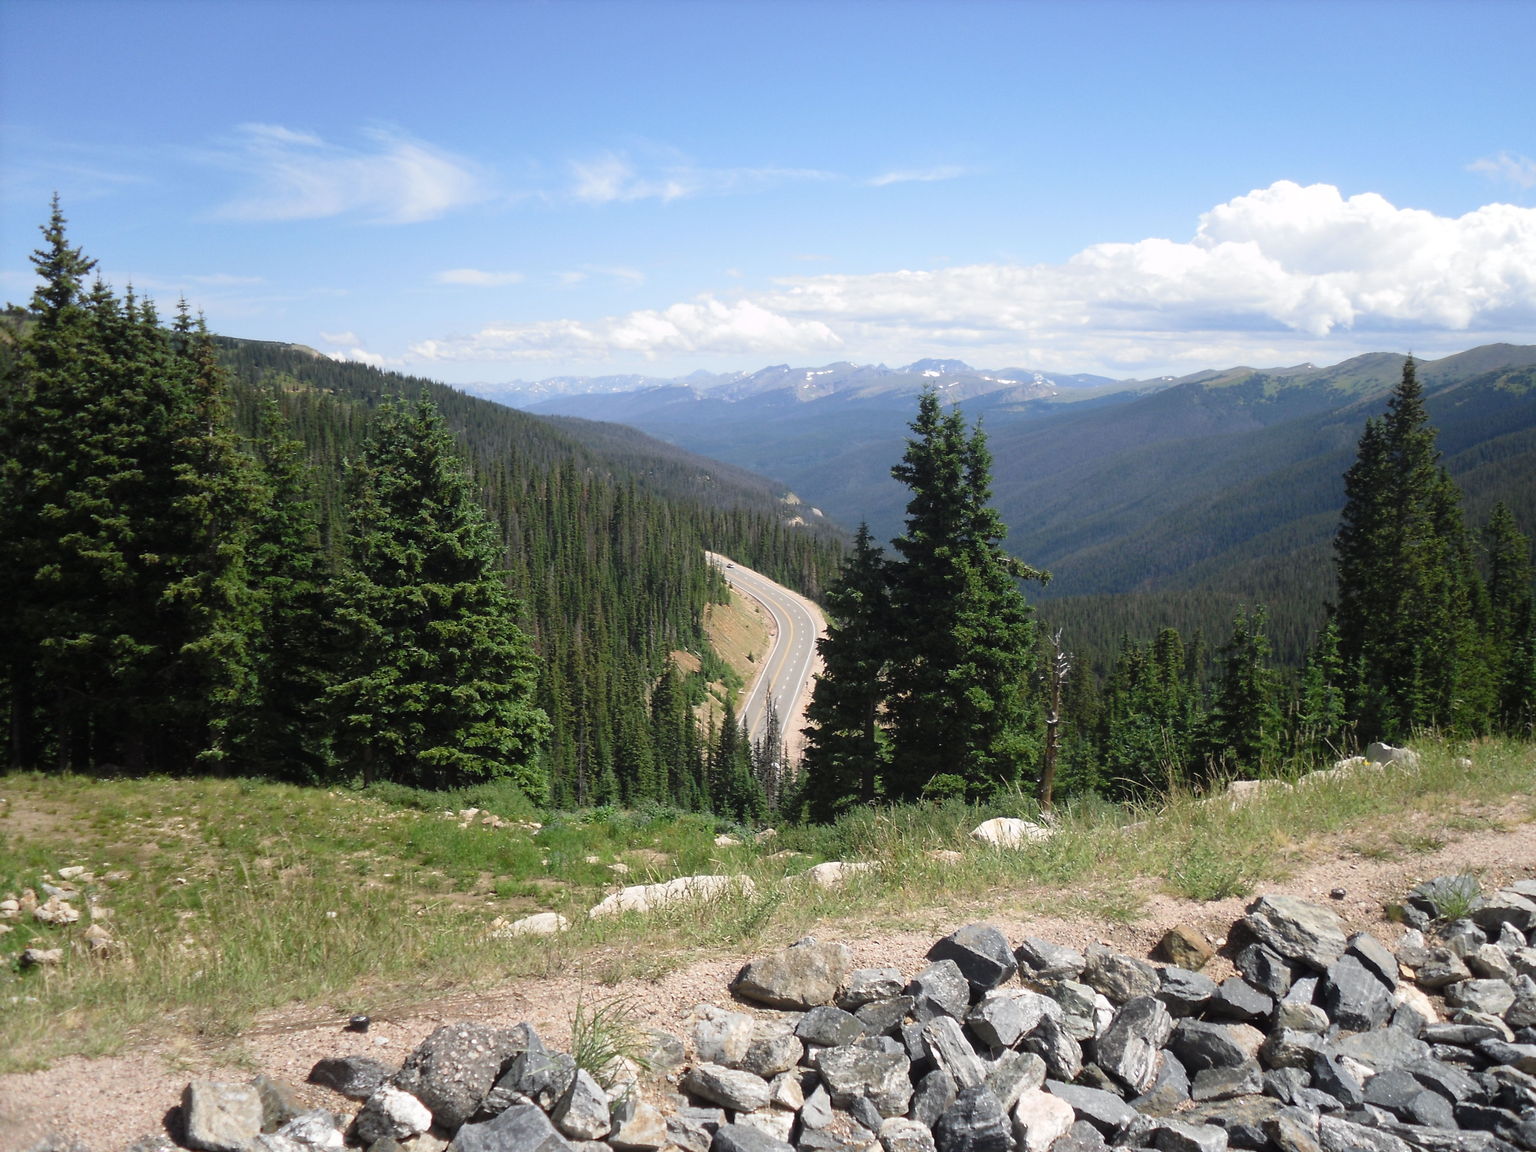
(108, 1104)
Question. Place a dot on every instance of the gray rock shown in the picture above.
(535, 1075)
(1013, 1074)
(1297, 930)
(866, 985)
(884, 1017)
(1237, 1000)
(390, 1114)
(1200, 1044)
(843, 1134)
(1047, 961)
(1506, 907)
(1522, 1013)
(454, 1068)
(1287, 1048)
(692, 1133)
(1184, 992)
(1412, 950)
(1245, 1079)
(975, 1122)
(728, 1087)
(635, 1125)
(898, 1134)
(1463, 937)
(1452, 1083)
(1488, 997)
(1521, 1056)
(1120, 978)
(853, 1072)
(829, 1027)
(1339, 1135)
(1002, 1018)
(1264, 968)
(1243, 1119)
(1382, 1049)
(741, 1138)
(582, 1113)
(1442, 968)
(1062, 1054)
(1301, 1017)
(1177, 1136)
(816, 1112)
(1105, 1111)
(721, 1036)
(803, 975)
(355, 1077)
(940, 989)
(1491, 962)
(934, 1094)
(661, 1050)
(1169, 1090)
(775, 1048)
(1375, 956)
(1081, 1137)
(519, 1128)
(1284, 1083)
(1334, 1077)
(1078, 1006)
(1354, 996)
(220, 1117)
(1129, 1047)
(953, 1052)
(982, 954)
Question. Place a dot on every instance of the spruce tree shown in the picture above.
(963, 636)
(1511, 622)
(437, 690)
(1322, 725)
(844, 748)
(1245, 726)
(1407, 592)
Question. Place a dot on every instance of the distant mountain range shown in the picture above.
(1178, 497)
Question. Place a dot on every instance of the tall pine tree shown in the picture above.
(438, 686)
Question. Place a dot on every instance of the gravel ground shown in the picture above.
(107, 1104)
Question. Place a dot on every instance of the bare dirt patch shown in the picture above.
(108, 1103)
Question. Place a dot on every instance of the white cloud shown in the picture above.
(1281, 274)
(393, 179)
(918, 175)
(705, 326)
(614, 178)
(348, 337)
(477, 278)
(1507, 168)
(360, 356)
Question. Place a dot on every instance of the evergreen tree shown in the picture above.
(1322, 725)
(127, 507)
(1407, 594)
(844, 749)
(1245, 726)
(437, 690)
(1511, 627)
(734, 790)
(963, 638)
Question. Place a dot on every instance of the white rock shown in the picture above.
(650, 897)
(407, 1116)
(1010, 832)
(539, 924)
(834, 873)
(724, 841)
(1040, 1119)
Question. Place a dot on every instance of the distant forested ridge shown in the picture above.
(159, 478)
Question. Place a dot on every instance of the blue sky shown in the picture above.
(481, 192)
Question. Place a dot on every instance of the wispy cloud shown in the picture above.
(478, 278)
(1284, 271)
(391, 178)
(614, 177)
(1507, 168)
(918, 175)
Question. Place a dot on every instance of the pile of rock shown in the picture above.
(57, 907)
(1319, 1041)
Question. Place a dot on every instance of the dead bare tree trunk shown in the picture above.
(1061, 665)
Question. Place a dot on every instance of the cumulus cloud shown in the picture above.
(1507, 168)
(392, 179)
(477, 277)
(360, 356)
(918, 175)
(613, 177)
(1283, 273)
(347, 337)
(703, 326)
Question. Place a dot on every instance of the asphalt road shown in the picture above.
(784, 673)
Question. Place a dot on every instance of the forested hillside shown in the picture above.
(205, 539)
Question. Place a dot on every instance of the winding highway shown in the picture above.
(785, 672)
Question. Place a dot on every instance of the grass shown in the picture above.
(233, 898)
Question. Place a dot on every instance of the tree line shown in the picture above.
(230, 556)
(939, 682)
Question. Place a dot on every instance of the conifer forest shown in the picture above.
(241, 558)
